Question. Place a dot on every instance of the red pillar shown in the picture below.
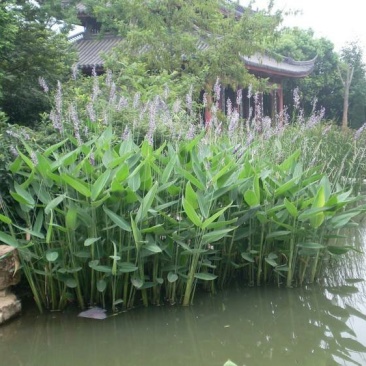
(280, 103)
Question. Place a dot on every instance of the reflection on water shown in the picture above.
(315, 325)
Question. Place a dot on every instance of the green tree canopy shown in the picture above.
(323, 83)
(29, 49)
(187, 37)
(352, 56)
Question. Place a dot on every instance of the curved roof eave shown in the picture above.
(284, 67)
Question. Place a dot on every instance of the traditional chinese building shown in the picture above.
(92, 48)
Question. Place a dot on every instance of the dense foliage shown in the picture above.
(29, 49)
(121, 194)
(324, 84)
(185, 39)
(110, 219)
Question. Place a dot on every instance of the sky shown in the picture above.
(338, 21)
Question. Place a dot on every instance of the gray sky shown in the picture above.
(339, 21)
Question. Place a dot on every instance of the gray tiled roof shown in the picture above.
(91, 50)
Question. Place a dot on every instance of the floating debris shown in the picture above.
(94, 313)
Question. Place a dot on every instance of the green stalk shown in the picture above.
(190, 280)
(226, 268)
(145, 300)
(290, 262)
(305, 265)
(314, 267)
(125, 289)
(292, 258)
(260, 260)
(52, 287)
(114, 285)
(32, 283)
(155, 277)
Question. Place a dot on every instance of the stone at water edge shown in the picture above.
(9, 307)
(9, 276)
(9, 267)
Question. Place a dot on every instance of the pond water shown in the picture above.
(318, 325)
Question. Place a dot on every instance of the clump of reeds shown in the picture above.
(140, 201)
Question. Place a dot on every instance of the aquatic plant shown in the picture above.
(154, 214)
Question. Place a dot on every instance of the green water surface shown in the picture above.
(318, 325)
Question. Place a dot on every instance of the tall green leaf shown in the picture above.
(54, 203)
(211, 219)
(146, 203)
(77, 184)
(9, 240)
(118, 220)
(99, 184)
(191, 213)
(191, 196)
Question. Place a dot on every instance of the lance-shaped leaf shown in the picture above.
(54, 147)
(309, 213)
(146, 203)
(49, 228)
(191, 178)
(168, 169)
(122, 173)
(191, 196)
(37, 234)
(25, 195)
(247, 256)
(251, 198)
(134, 182)
(311, 245)
(54, 203)
(191, 213)
(271, 259)
(319, 201)
(26, 160)
(118, 220)
(215, 235)
(126, 267)
(205, 204)
(65, 160)
(211, 219)
(341, 220)
(9, 240)
(340, 250)
(71, 218)
(205, 276)
(5, 219)
(291, 208)
(77, 184)
(290, 161)
(136, 234)
(278, 234)
(284, 188)
(90, 241)
(99, 184)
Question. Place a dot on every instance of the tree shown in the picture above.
(346, 81)
(323, 83)
(29, 49)
(354, 78)
(187, 37)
